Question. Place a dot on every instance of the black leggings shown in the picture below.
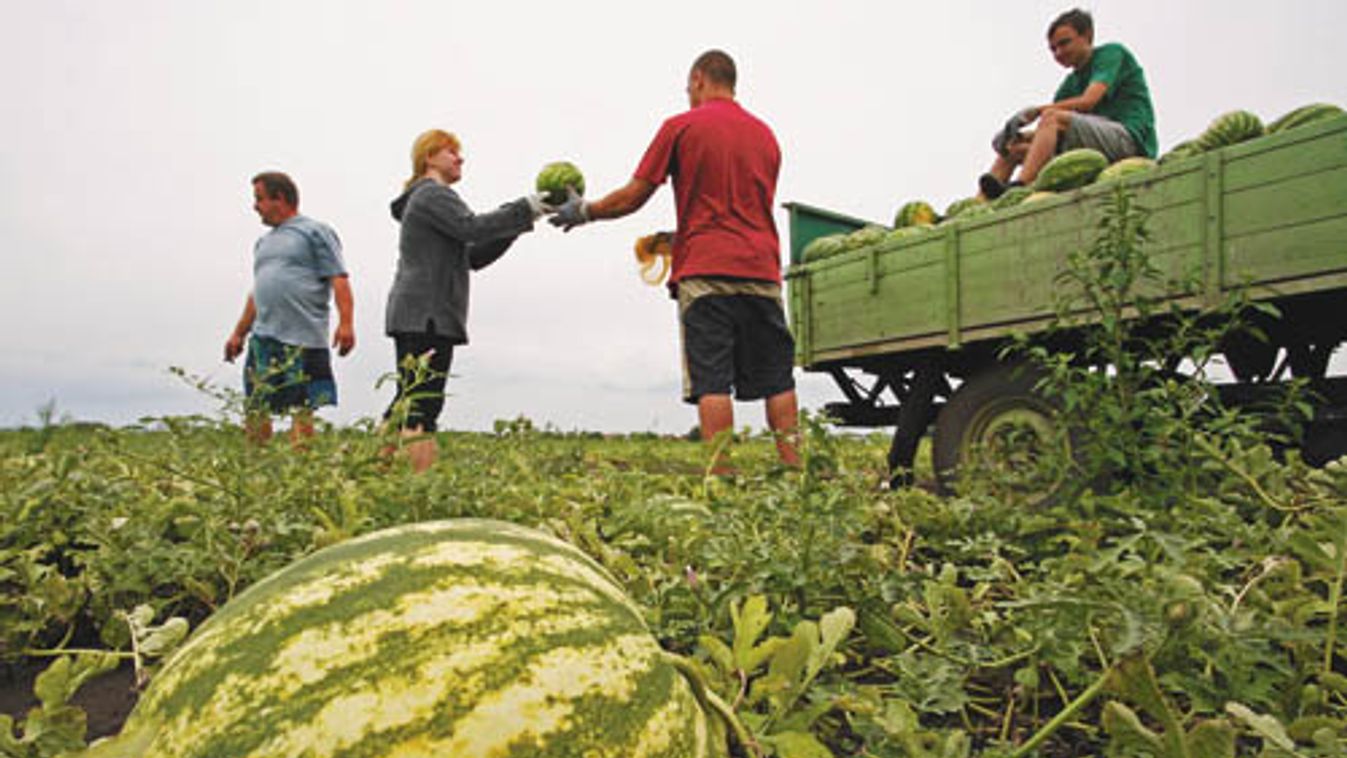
(427, 398)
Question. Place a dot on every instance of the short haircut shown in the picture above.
(275, 184)
(717, 66)
(1076, 19)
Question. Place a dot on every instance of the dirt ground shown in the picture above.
(106, 700)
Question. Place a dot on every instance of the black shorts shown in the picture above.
(426, 397)
(735, 344)
(280, 378)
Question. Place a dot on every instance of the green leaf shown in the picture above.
(1213, 738)
(834, 628)
(133, 742)
(160, 640)
(141, 617)
(792, 658)
(1266, 727)
(1128, 736)
(10, 747)
(718, 651)
(1334, 681)
(798, 745)
(55, 685)
(55, 730)
(62, 679)
(750, 620)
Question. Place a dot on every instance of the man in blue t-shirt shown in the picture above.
(1103, 104)
(297, 269)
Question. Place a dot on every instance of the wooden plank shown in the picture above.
(1297, 152)
(1307, 250)
(1287, 203)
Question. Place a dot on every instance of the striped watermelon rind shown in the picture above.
(821, 248)
(915, 213)
(1185, 149)
(1125, 167)
(866, 236)
(469, 638)
(1305, 114)
(1231, 129)
(907, 232)
(1012, 197)
(1071, 169)
(963, 206)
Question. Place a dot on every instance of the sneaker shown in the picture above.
(990, 186)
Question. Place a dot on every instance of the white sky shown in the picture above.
(131, 128)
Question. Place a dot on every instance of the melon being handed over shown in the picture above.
(467, 638)
(556, 177)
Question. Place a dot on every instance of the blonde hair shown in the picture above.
(427, 144)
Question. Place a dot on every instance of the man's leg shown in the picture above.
(783, 416)
(421, 451)
(715, 413)
(1002, 168)
(1044, 145)
(257, 427)
(301, 427)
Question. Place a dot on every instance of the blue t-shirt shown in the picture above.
(293, 265)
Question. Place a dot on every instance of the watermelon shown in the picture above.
(973, 211)
(1230, 129)
(1185, 149)
(914, 213)
(865, 236)
(1071, 169)
(1012, 197)
(467, 638)
(823, 247)
(1305, 114)
(906, 232)
(1126, 167)
(963, 206)
(556, 177)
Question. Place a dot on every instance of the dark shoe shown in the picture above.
(990, 186)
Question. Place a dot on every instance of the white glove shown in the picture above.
(539, 205)
(572, 213)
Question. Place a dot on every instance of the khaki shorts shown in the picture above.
(1103, 134)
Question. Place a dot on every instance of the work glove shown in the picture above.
(1011, 131)
(572, 213)
(539, 205)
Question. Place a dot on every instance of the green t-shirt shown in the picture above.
(1127, 100)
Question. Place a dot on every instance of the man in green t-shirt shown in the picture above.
(1102, 104)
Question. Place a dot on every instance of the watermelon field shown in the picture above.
(1201, 622)
(1179, 594)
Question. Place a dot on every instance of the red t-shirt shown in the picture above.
(724, 162)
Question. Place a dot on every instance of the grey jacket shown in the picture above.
(441, 240)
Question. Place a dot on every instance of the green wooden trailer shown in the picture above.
(912, 329)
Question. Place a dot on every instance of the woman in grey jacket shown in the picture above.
(441, 241)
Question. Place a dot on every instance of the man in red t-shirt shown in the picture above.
(726, 271)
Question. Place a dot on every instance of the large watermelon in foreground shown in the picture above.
(465, 638)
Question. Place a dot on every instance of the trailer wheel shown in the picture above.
(997, 422)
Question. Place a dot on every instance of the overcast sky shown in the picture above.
(131, 129)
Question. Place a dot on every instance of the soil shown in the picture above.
(106, 700)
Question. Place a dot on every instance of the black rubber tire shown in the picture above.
(997, 399)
